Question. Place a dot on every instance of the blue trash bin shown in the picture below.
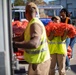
(45, 21)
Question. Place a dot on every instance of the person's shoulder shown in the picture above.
(36, 25)
(68, 18)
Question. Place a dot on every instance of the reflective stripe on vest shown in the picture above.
(51, 42)
(43, 42)
(36, 52)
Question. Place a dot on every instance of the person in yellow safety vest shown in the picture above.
(58, 52)
(34, 41)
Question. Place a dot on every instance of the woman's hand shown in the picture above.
(65, 34)
(51, 35)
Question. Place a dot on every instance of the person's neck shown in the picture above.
(31, 18)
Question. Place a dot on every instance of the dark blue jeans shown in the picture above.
(67, 59)
(72, 42)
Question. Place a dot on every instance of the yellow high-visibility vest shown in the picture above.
(41, 53)
(57, 46)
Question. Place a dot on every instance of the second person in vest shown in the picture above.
(58, 52)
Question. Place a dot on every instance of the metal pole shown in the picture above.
(10, 35)
(7, 36)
